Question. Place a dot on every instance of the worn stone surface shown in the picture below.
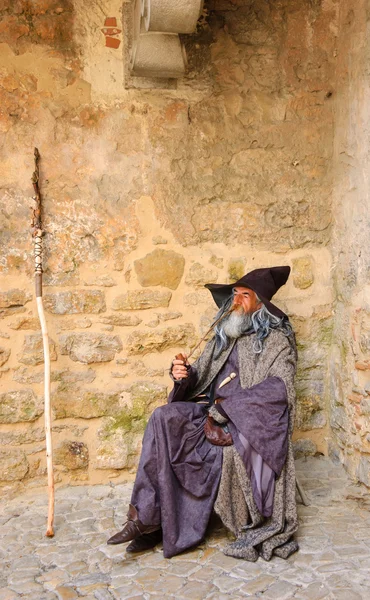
(33, 350)
(304, 447)
(13, 464)
(19, 405)
(26, 436)
(76, 323)
(4, 355)
(160, 267)
(14, 298)
(142, 299)
(25, 323)
(332, 563)
(90, 347)
(71, 454)
(141, 342)
(140, 369)
(303, 276)
(199, 275)
(236, 269)
(196, 298)
(72, 401)
(121, 320)
(73, 302)
(103, 280)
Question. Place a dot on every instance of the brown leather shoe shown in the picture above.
(145, 542)
(133, 529)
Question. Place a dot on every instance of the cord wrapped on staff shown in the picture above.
(37, 234)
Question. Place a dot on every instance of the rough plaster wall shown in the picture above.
(148, 195)
(350, 363)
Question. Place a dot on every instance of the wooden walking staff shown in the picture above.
(37, 234)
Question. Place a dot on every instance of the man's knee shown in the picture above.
(163, 412)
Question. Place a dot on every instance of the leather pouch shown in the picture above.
(216, 434)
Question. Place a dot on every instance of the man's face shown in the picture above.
(245, 300)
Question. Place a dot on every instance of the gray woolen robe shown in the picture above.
(181, 476)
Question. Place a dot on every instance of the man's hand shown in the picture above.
(179, 370)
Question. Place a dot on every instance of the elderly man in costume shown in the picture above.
(240, 394)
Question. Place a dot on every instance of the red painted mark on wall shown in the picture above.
(110, 29)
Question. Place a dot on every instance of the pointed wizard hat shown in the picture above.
(264, 282)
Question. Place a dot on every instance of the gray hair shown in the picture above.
(261, 322)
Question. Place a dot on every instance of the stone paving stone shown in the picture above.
(6, 594)
(196, 591)
(66, 593)
(153, 559)
(206, 573)
(164, 583)
(226, 583)
(183, 569)
(347, 594)
(78, 515)
(280, 589)
(260, 584)
(127, 569)
(315, 591)
(27, 588)
(103, 594)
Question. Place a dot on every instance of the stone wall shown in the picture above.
(350, 362)
(149, 194)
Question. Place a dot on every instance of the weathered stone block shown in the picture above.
(200, 297)
(25, 323)
(100, 280)
(141, 300)
(71, 401)
(19, 405)
(119, 450)
(158, 239)
(90, 347)
(170, 316)
(27, 436)
(146, 395)
(139, 368)
(71, 455)
(13, 465)
(71, 324)
(142, 342)
(121, 320)
(236, 269)
(310, 413)
(14, 298)
(121, 434)
(303, 276)
(363, 471)
(304, 447)
(160, 267)
(33, 352)
(4, 355)
(68, 376)
(216, 261)
(198, 275)
(24, 375)
(73, 302)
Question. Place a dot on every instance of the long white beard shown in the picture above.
(236, 324)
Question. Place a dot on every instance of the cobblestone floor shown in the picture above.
(333, 561)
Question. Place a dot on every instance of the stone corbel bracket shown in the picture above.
(156, 50)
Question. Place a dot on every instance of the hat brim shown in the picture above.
(221, 292)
